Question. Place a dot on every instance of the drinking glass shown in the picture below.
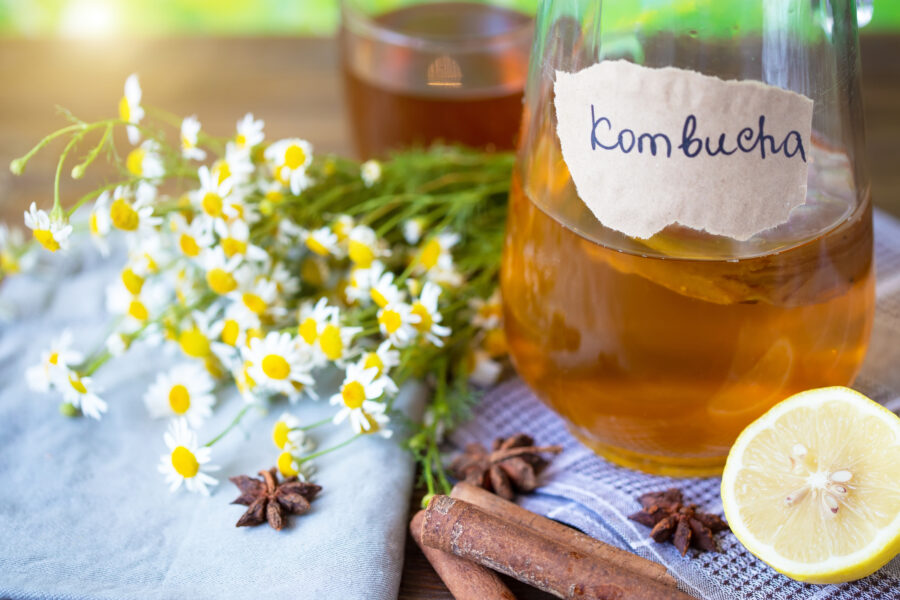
(659, 351)
(419, 71)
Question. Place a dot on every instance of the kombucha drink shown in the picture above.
(452, 72)
(659, 352)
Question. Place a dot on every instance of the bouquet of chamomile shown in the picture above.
(269, 268)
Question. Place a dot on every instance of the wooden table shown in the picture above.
(293, 84)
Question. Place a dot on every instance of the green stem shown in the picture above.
(313, 426)
(232, 425)
(346, 442)
(79, 169)
(24, 159)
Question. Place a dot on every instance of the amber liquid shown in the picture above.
(658, 362)
(401, 96)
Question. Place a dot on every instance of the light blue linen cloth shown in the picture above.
(84, 514)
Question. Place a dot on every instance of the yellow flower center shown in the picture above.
(232, 246)
(374, 427)
(240, 140)
(254, 303)
(280, 434)
(94, 225)
(46, 239)
(138, 310)
(184, 462)
(135, 161)
(360, 254)
(123, 215)
(8, 262)
(312, 270)
(316, 246)
(309, 330)
(188, 245)
(221, 169)
(221, 281)
(294, 157)
(77, 384)
(341, 229)
(54, 358)
(212, 204)
(274, 196)
(179, 399)
(254, 333)
(186, 142)
(495, 342)
(431, 251)
(353, 394)
(276, 367)
(390, 320)
(425, 320)
(134, 283)
(331, 343)
(286, 464)
(124, 109)
(378, 298)
(373, 360)
(194, 343)
(230, 332)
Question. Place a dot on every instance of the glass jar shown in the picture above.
(659, 351)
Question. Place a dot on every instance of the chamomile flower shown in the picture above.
(363, 246)
(277, 363)
(287, 435)
(484, 371)
(377, 424)
(488, 312)
(51, 232)
(322, 242)
(190, 130)
(59, 357)
(237, 165)
(196, 334)
(413, 229)
(286, 281)
(249, 132)
(145, 161)
(130, 109)
(290, 466)
(184, 391)
(79, 392)
(435, 253)
(313, 318)
(370, 172)
(234, 237)
(118, 343)
(342, 226)
(259, 297)
(194, 237)
(232, 331)
(383, 290)
(335, 339)
(384, 358)
(358, 285)
(220, 270)
(132, 213)
(289, 159)
(210, 198)
(187, 462)
(289, 233)
(136, 301)
(359, 390)
(429, 317)
(99, 223)
(397, 322)
(14, 253)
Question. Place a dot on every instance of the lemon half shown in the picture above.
(812, 487)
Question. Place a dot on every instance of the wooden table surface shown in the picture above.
(294, 85)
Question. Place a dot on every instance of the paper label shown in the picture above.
(648, 148)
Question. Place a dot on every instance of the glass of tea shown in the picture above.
(420, 71)
(658, 348)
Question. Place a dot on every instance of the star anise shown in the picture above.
(268, 500)
(512, 464)
(683, 524)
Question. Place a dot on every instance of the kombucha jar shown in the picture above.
(659, 349)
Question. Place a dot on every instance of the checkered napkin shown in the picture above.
(585, 491)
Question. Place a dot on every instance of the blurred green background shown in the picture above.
(87, 18)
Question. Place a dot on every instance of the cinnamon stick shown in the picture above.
(465, 580)
(497, 506)
(455, 526)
